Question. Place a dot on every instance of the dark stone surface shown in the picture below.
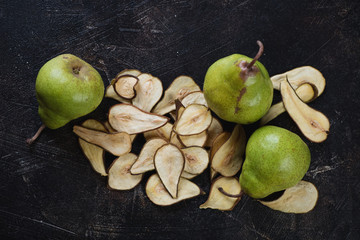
(49, 191)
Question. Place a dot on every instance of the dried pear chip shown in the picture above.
(132, 72)
(179, 109)
(194, 120)
(124, 86)
(194, 98)
(162, 132)
(194, 140)
(111, 130)
(306, 94)
(120, 177)
(93, 153)
(213, 174)
(169, 163)
(181, 86)
(312, 123)
(145, 161)
(110, 93)
(187, 175)
(300, 198)
(299, 76)
(174, 139)
(213, 131)
(229, 157)
(115, 143)
(157, 193)
(219, 201)
(196, 159)
(148, 92)
(128, 118)
(218, 142)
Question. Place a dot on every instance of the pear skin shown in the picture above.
(276, 159)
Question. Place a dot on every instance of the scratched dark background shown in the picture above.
(49, 191)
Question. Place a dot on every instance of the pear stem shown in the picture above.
(36, 135)
(229, 194)
(258, 55)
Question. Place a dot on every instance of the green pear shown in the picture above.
(276, 159)
(66, 88)
(238, 89)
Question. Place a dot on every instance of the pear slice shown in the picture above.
(181, 86)
(179, 109)
(110, 93)
(299, 76)
(300, 198)
(306, 94)
(169, 163)
(115, 143)
(218, 142)
(194, 120)
(128, 118)
(312, 123)
(120, 177)
(217, 200)
(93, 153)
(124, 86)
(196, 159)
(194, 140)
(111, 130)
(213, 174)
(145, 161)
(132, 72)
(162, 132)
(148, 92)
(194, 98)
(213, 131)
(157, 193)
(174, 139)
(229, 157)
(187, 175)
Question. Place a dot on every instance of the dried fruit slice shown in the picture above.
(300, 198)
(93, 153)
(181, 86)
(194, 98)
(229, 158)
(120, 177)
(128, 118)
(162, 132)
(194, 120)
(214, 129)
(306, 94)
(124, 86)
(111, 130)
(299, 76)
(110, 93)
(312, 123)
(132, 72)
(217, 200)
(174, 139)
(145, 161)
(158, 194)
(194, 140)
(169, 163)
(148, 92)
(218, 142)
(188, 175)
(115, 143)
(196, 159)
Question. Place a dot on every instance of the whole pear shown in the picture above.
(276, 159)
(238, 88)
(66, 88)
